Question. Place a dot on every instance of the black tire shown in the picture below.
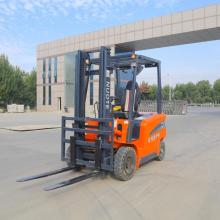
(161, 155)
(125, 163)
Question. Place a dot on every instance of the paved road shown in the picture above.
(186, 185)
(33, 118)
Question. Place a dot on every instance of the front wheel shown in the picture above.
(125, 163)
(162, 151)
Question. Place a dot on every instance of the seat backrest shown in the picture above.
(126, 98)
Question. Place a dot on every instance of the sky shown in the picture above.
(26, 23)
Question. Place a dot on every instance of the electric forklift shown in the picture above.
(120, 139)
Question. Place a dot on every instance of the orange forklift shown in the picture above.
(120, 139)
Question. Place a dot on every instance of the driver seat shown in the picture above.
(125, 104)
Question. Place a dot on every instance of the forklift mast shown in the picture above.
(105, 130)
(103, 147)
(83, 71)
(98, 154)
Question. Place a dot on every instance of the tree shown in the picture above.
(216, 91)
(152, 92)
(166, 92)
(205, 90)
(144, 90)
(16, 86)
(192, 94)
(30, 88)
(10, 81)
(180, 92)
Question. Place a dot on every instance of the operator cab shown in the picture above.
(123, 91)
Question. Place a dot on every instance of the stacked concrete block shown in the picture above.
(14, 108)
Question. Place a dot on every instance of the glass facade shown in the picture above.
(69, 79)
(91, 90)
(49, 70)
(44, 71)
(49, 95)
(44, 81)
(44, 95)
(49, 81)
(50, 78)
(55, 69)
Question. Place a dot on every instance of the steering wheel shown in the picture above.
(114, 98)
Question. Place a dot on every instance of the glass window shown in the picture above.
(55, 69)
(44, 71)
(49, 71)
(123, 76)
(91, 90)
(49, 95)
(69, 79)
(44, 95)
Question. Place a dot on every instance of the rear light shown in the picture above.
(133, 56)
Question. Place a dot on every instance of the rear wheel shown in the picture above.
(125, 163)
(162, 151)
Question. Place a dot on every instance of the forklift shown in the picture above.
(120, 139)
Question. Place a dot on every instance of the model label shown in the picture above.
(153, 137)
(107, 93)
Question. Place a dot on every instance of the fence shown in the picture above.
(168, 107)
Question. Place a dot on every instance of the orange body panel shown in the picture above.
(91, 137)
(150, 135)
(152, 132)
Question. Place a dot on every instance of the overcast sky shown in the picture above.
(26, 23)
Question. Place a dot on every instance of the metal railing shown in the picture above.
(168, 107)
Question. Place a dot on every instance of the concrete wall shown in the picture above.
(196, 25)
(190, 26)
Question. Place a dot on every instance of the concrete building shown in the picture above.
(56, 59)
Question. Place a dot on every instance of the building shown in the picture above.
(56, 59)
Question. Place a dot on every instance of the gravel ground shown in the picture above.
(186, 185)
